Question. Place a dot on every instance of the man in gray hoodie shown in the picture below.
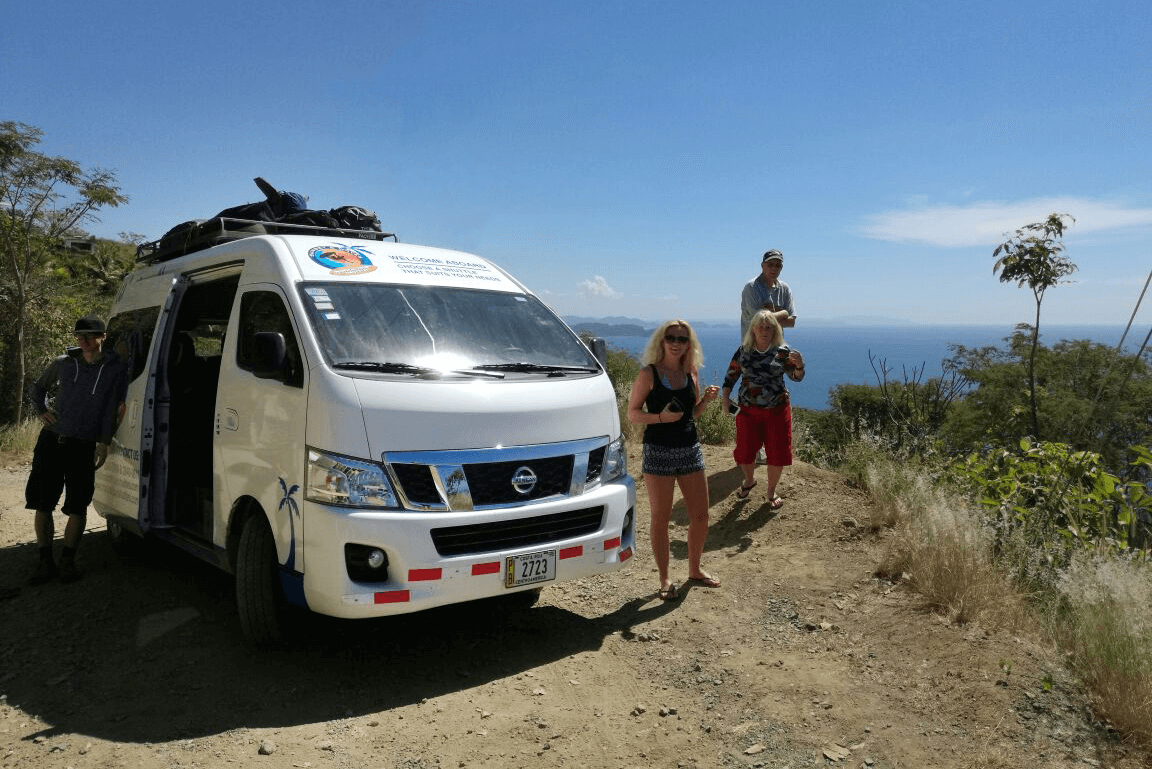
(90, 385)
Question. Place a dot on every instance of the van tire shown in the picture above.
(126, 545)
(259, 597)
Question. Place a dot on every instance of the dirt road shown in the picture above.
(800, 659)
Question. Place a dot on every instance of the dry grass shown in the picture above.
(939, 542)
(1106, 624)
(17, 441)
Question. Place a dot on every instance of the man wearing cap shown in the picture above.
(767, 292)
(90, 386)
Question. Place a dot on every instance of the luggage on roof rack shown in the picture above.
(283, 213)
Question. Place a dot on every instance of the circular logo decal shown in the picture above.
(342, 259)
(523, 480)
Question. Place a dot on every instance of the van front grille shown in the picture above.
(476, 479)
(523, 532)
(491, 482)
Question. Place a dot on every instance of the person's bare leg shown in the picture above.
(774, 473)
(694, 487)
(660, 491)
(45, 528)
(45, 534)
(74, 530)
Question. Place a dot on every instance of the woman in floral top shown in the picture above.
(765, 416)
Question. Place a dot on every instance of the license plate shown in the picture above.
(530, 568)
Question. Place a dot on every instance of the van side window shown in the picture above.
(130, 336)
(264, 311)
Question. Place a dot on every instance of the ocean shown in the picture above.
(839, 354)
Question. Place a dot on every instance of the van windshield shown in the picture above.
(434, 330)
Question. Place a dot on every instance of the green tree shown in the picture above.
(1095, 398)
(1032, 257)
(42, 198)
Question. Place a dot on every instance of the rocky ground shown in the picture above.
(802, 658)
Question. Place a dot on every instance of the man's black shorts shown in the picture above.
(60, 464)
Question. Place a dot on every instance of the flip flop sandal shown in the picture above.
(705, 581)
(776, 503)
(669, 593)
(745, 490)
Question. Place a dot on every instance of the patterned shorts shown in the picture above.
(667, 460)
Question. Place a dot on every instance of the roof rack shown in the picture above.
(199, 234)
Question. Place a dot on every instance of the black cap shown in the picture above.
(772, 254)
(89, 325)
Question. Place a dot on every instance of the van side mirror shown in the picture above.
(269, 355)
(599, 348)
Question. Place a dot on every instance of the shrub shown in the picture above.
(1049, 494)
(622, 369)
(714, 426)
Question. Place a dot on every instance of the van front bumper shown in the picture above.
(420, 577)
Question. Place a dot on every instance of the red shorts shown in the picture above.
(770, 428)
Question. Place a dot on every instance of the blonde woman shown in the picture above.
(666, 399)
(765, 417)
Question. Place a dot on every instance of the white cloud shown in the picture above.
(987, 224)
(598, 287)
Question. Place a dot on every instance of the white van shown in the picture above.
(360, 427)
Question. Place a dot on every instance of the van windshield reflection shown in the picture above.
(434, 331)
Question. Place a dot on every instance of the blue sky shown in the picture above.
(636, 158)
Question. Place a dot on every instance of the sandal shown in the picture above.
(668, 593)
(776, 502)
(745, 490)
(705, 581)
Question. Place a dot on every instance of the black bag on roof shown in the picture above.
(355, 218)
(252, 212)
(279, 207)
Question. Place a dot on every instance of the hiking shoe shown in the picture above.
(45, 572)
(69, 572)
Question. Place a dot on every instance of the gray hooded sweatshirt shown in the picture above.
(88, 395)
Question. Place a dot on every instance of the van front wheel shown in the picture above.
(259, 597)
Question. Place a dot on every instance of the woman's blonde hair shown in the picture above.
(654, 351)
(763, 318)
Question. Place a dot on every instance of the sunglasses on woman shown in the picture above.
(674, 338)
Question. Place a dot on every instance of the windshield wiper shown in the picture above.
(407, 368)
(526, 367)
(383, 367)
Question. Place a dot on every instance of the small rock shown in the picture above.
(639, 710)
(267, 747)
(759, 747)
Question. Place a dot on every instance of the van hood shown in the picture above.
(476, 414)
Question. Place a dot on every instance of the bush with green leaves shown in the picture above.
(714, 427)
(1057, 496)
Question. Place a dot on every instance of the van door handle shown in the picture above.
(231, 420)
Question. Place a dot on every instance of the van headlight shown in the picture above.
(337, 480)
(615, 461)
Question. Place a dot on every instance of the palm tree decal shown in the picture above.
(286, 501)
